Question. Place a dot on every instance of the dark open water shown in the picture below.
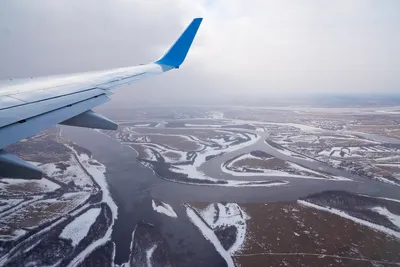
(133, 186)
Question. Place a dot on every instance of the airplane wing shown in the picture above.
(31, 105)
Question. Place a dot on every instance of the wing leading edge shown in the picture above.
(30, 106)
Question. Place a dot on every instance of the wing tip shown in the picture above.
(175, 56)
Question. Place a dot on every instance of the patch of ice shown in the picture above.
(164, 208)
(354, 219)
(79, 227)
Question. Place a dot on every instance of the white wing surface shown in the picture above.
(29, 106)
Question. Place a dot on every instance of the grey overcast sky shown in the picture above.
(252, 47)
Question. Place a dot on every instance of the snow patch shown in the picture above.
(149, 254)
(79, 227)
(164, 208)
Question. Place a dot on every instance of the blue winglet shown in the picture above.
(178, 51)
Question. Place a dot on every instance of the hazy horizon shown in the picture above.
(243, 50)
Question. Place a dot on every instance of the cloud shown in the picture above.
(244, 48)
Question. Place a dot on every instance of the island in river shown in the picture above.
(220, 188)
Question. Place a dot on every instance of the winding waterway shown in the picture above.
(133, 186)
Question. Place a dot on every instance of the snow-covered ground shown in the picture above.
(191, 171)
(149, 255)
(357, 151)
(291, 153)
(267, 173)
(72, 172)
(169, 155)
(12, 233)
(163, 208)
(215, 115)
(394, 218)
(75, 198)
(97, 171)
(31, 214)
(304, 173)
(9, 203)
(79, 227)
(209, 234)
(225, 215)
(221, 216)
(15, 187)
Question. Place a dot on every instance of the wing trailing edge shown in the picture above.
(12, 166)
(90, 119)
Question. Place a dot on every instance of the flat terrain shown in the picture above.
(228, 186)
(295, 234)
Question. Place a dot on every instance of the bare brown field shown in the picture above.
(389, 130)
(271, 164)
(301, 260)
(172, 155)
(175, 142)
(25, 188)
(35, 214)
(288, 234)
(9, 232)
(39, 212)
(200, 133)
(259, 163)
